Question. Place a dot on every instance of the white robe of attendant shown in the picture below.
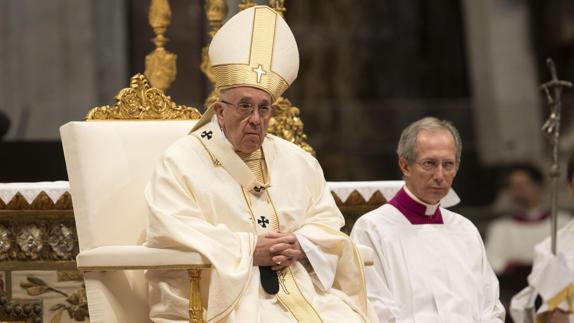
(552, 278)
(428, 273)
(511, 242)
(200, 201)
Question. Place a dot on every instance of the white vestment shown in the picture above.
(202, 198)
(552, 278)
(427, 273)
(511, 242)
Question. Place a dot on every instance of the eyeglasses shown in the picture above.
(245, 109)
(432, 164)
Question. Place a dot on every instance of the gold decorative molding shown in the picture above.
(69, 275)
(160, 65)
(355, 206)
(356, 199)
(34, 240)
(287, 124)
(41, 202)
(142, 102)
(75, 304)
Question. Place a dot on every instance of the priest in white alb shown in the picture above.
(256, 206)
(511, 238)
(552, 277)
(430, 264)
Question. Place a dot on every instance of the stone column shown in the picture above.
(506, 99)
(58, 59)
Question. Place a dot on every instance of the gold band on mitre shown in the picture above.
(232, 75)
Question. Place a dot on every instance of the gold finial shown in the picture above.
(246, 4)
(278, 6)
(160, 66)
(142, 102)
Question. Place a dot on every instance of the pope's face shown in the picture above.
(430, 176)
(245, 132)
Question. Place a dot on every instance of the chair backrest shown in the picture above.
(109, 164)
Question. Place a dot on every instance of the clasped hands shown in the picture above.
(278, 250)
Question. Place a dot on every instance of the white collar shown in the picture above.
(430, 208)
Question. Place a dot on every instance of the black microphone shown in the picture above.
(269, 280)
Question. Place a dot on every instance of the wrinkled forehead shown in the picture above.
(435, 143)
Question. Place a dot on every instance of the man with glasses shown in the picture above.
(256, 206)
(430, 264)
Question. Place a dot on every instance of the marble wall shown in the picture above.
(57, 59)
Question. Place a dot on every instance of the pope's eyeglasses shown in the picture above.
(245, 109)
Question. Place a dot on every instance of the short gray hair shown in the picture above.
(407, 147)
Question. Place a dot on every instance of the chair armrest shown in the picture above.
(366, 254)
(108, 258)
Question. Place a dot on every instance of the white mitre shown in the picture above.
(254, 48)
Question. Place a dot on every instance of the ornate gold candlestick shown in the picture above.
(160, 65)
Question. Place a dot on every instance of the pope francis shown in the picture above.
(253, 204)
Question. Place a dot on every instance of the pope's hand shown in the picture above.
(278, 250)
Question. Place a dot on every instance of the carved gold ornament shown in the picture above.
(278, 6)
(142, 102)
(215, 10)
(287, 124)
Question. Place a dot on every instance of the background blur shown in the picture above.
(368, 69)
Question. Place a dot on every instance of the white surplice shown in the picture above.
(511, 242)
(202, 199)
(552, 278)
(428, 273)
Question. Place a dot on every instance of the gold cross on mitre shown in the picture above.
(260, 72)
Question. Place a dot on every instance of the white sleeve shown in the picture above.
(492, 310)
(319, 261)
(378, 292)
(496, 245)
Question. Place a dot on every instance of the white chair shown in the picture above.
(109, 164)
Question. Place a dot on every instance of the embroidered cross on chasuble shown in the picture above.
(282, 283)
